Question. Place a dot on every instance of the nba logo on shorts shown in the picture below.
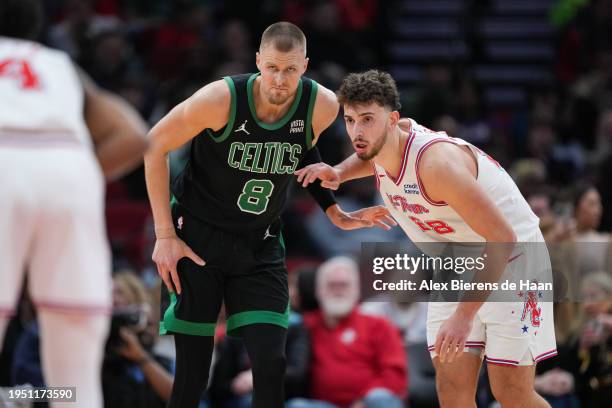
(180, 223)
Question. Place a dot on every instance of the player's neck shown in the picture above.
(267, 112)
(391, 155)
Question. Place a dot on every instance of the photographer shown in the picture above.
(132, 374)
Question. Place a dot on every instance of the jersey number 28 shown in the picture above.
(436, 225)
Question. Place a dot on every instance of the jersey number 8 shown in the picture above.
(255, 196)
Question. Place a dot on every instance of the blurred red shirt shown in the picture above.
(362, 353)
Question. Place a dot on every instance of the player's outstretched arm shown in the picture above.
(207, 108)
(375, 216)
(331, 177)
(449, 174)
(117, 130)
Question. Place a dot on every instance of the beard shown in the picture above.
(338, 307)
(376, 147)
(278, 99)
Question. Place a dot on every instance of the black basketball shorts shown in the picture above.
(245, 271)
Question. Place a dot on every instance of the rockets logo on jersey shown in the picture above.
(400, 203)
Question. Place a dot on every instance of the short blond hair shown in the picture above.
(284, 37)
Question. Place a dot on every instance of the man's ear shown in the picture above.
(305, 64)
(394, 118)
(257, 61)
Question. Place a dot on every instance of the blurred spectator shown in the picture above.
(470, 114)
(594, 367)
(411, 320)
(328, 42)
(133, 375)
(357, 15)
(555, 378)
(582, 368)
(433, 98)
(176, 37)
(593, 248)
(564, 162)
(603, 143)
(108, 59)
(406, 311)
(80, 23)
(235, 44)
(408, 317)
(358, 360)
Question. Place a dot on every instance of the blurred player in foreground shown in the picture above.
(442, 189)
(60, 138)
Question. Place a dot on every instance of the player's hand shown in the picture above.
(166, 254)
(452, 337)
(377, 215)
(329, 176)
(364, 218)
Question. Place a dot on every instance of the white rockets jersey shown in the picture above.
(425, 220)
(42, 96)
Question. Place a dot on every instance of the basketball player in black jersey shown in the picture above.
(220, 239)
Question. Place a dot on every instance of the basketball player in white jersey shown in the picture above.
(442, 189)
(60, 137)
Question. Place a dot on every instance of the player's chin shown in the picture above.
(363, 154)
(278, 98)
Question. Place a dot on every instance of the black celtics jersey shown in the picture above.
(238, 179)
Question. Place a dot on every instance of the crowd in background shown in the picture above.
(558, 148)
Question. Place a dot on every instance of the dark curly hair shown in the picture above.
(21, 18)
(370, 86)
